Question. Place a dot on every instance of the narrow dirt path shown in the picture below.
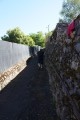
(28, 96)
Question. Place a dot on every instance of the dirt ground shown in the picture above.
(28, 96)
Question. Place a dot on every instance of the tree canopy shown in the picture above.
(17, 36)
(70, 10)
(38, 38)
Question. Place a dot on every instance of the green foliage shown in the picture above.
(38, 38)
(48, 34)
(61, 21)
(70, 9)
(17, 36)
(28, 41)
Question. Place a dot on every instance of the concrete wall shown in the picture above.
(13, 59)
(12, 53)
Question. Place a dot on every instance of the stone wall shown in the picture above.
(62, 60)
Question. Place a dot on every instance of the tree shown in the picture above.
(17, 36)
(48, 34)
(70, 10)
(28, 41)
(38, 38)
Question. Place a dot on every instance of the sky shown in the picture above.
(31, 16)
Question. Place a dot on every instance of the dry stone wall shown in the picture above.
(62, 60)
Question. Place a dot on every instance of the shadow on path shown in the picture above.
(28, 96)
